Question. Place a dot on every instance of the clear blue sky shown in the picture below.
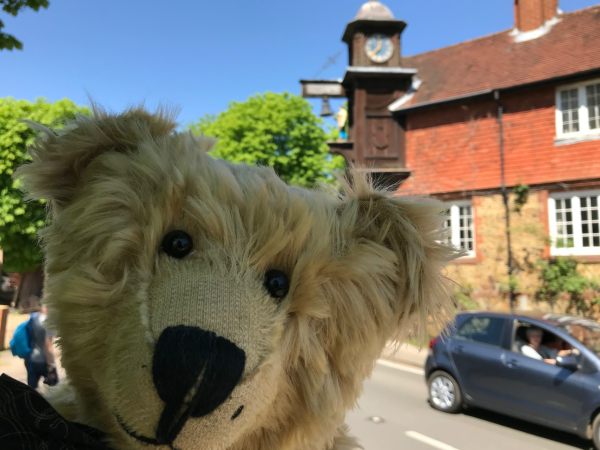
(201, 55)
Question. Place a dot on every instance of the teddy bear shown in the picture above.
(206, 305)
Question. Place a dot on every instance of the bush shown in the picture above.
(560, 278)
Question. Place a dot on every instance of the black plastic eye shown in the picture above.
(177, 244)
(277, 283)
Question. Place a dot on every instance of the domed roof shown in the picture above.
(374, 10)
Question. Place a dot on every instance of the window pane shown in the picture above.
(448, 227)
(589, 221)
(487, 330)
(466, 228)
(577, 229)
(460, 228)
(569, 105)
(564, 223)
(593, 104)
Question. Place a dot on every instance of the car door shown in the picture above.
(543, 392)
(476, 353)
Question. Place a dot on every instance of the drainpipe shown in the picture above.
(509, 262)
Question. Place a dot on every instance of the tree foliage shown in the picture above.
(276, 130)
(20, 220)
(559, 277)
(13, 7)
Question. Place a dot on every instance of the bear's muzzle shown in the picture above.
(194, 371)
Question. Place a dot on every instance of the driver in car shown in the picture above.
(535, 349)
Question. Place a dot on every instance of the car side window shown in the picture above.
(539, 343)
(487, 330)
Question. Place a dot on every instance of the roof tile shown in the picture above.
(497, 61)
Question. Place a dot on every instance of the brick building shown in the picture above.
(515, 112)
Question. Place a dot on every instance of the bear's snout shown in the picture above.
(194, 371)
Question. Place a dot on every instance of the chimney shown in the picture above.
(532, 14)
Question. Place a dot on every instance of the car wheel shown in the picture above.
(444, 392)
(596, 431)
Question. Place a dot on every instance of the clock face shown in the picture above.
(379, 47)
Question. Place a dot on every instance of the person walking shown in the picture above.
(41, 362)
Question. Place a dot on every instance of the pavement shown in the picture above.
(407, 354)
(404, 354)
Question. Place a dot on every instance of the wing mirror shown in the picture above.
(570, 362)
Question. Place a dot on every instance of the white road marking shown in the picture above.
(399, 366)
(429, 441)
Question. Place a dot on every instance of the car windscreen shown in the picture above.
(586, 331)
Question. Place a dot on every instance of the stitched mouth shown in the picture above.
(133, 434)
(153, 441)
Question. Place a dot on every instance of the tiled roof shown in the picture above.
(572, 45)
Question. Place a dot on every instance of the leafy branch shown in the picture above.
(13, 7)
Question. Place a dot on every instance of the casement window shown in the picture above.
(578, 110)
(461, 231)
(574, 223)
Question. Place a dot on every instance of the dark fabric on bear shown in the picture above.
(28, 422)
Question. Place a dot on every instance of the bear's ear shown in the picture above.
(402, 244)
(59, 158)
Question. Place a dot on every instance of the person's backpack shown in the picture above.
(19, 344)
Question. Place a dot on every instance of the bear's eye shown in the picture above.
(277, 283)
(177, 244)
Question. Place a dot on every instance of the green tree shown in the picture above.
(20, 220)
(276, 130)
(13, 7)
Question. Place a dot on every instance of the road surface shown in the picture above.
(393, 414)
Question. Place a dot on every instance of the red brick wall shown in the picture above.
(455, 148)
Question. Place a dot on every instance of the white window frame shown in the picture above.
(454, 216)
(584, 123)
(578, 249)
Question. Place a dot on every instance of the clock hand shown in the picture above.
(379, 45)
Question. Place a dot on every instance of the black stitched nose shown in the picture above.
(194, 371)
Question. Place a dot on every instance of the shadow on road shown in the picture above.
(526, 427)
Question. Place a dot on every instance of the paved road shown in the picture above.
(399, 398)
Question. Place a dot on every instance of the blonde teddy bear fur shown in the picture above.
(364, 267)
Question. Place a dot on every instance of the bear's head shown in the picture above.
(205, 305)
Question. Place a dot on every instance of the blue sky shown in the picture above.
(201, 55)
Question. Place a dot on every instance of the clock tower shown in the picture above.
(374, 79)
(373, 37)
